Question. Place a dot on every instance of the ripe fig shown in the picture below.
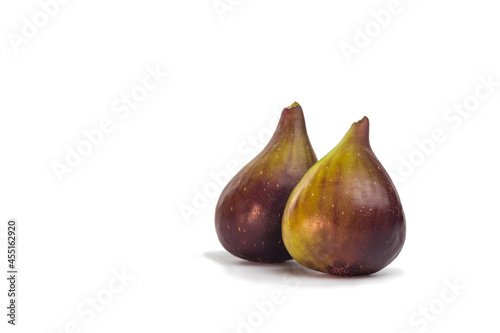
(345, 217)
(249, 211)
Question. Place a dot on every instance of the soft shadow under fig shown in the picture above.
(269, 273)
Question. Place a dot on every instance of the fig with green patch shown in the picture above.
(345, 217)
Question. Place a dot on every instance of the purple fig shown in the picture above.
(249, 211)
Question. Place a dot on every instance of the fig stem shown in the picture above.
(359, 132)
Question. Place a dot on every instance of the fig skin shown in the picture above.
(345, 217)
(249, 211)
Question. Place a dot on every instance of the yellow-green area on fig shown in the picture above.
(345, 217)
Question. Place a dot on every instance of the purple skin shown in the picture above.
(345, 217)
(249, 211)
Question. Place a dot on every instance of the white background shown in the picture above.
(120, 207)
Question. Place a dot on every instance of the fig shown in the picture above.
(249, 211)
(345, 216)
